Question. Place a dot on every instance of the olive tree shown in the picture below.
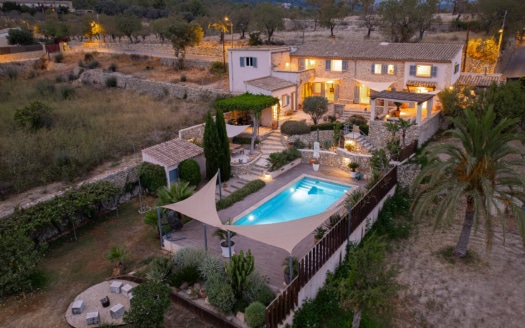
(316, 107)
(150, 302)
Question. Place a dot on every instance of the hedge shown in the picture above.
(239, 194)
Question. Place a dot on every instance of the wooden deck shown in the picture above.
(268, 258)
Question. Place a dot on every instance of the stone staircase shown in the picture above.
(348, 113)
(271, 144)
(363, 141)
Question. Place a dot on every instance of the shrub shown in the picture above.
(211, 264)
(189, 257)
(32, 74)
(45, 88)
(220, 294)
(244, 140)
(59, 57)
(150, 302)
(93, 64)
(239, 194)
(152, 176)
(160, 269)
(357, 119)
(189, 275)
(257, 289)
(35, 116)
(299, 144)
(322, 127)
(183, 78)
(12, 73)
(59, 79)
(67, 92)
(254, 315)
(111, 82)
(71, 76)
(278, 160)
(81, 63)
(217, 67)
(189, 170)
(112, 68)
(89, 56)
(255, 39)
(295, 128)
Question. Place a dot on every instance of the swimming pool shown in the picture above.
(308, 196)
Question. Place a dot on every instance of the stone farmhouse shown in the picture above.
(362, 77)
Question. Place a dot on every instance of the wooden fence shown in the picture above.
(310, 264)
(406, 152)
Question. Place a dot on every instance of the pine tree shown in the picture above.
(224, 160)
(211, 147)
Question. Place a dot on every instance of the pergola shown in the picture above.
(399, 96)
(169, 154)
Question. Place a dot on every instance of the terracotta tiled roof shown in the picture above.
(171, 152)
(402, 96)
(479, 80)
(270, 83)
(428, 84)
(428, 52)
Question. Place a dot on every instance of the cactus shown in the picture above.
(238, 270)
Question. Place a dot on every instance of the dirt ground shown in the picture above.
(484, 291)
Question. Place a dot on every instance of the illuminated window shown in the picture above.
(377, 69)
(336, 65)
(423, 70)
(391, 69)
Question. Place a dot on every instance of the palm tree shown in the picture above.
(404, 125)
(482, 170)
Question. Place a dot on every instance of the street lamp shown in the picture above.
(231, 27)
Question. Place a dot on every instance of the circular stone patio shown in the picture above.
(92, 297)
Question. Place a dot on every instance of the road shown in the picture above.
(516, 66)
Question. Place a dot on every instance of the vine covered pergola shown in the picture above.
(248, 102)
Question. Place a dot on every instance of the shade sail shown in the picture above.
(234, 130)
(285, 235)
(201, 205)
(376, 86)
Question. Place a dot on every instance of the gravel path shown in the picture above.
(91, 298)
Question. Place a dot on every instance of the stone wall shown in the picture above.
(21, 56)
(340, 159)
(155, 88)
(205, 48)
(195, 132)
(309, 139)
(20, 66)
(429, 128)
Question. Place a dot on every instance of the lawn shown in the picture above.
(72, 266)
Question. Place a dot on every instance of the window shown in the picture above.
(379, 69)
(336, 65)
(423, 70)
(249, 61)
(456, 68)
(305, 63)
(285, 100)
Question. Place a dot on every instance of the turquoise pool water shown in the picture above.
(306, 197)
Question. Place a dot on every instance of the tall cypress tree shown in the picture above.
(223, 146)
(211, 147)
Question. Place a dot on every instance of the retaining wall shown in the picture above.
(155, 88)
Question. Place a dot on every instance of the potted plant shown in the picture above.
(353, 166)
(315, 164)
(319, 234)
(295, 268)
(223, 237)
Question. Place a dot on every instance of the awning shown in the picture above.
(324, 80)
(234, 130)
(376, 86)
(286, 235)
(426, 84)
(201, 205)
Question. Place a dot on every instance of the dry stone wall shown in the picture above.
(205, 48)
(21, 56)
(407, 173)
(155, 88)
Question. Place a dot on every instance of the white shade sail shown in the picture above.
(376, 86)
(285, 235)
(201, 205)
(234, 130)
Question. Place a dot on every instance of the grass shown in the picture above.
(447, 254)
(70, 267)
(97, 125)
